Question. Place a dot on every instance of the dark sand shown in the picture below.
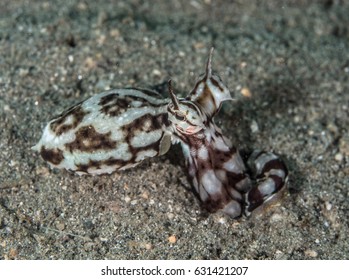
(292, 59)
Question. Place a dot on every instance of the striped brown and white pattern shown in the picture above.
(118, 129)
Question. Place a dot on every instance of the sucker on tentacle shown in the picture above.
(118, 129)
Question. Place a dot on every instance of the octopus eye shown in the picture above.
(180, 117)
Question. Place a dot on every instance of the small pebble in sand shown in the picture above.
(310, 253)
(172, 239)
(338, 157)
(246, 92)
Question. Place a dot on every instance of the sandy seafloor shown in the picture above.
(291, 57)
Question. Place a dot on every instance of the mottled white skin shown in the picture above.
(118, 129)
(114, 130)
(216, 168)
(217, 171)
